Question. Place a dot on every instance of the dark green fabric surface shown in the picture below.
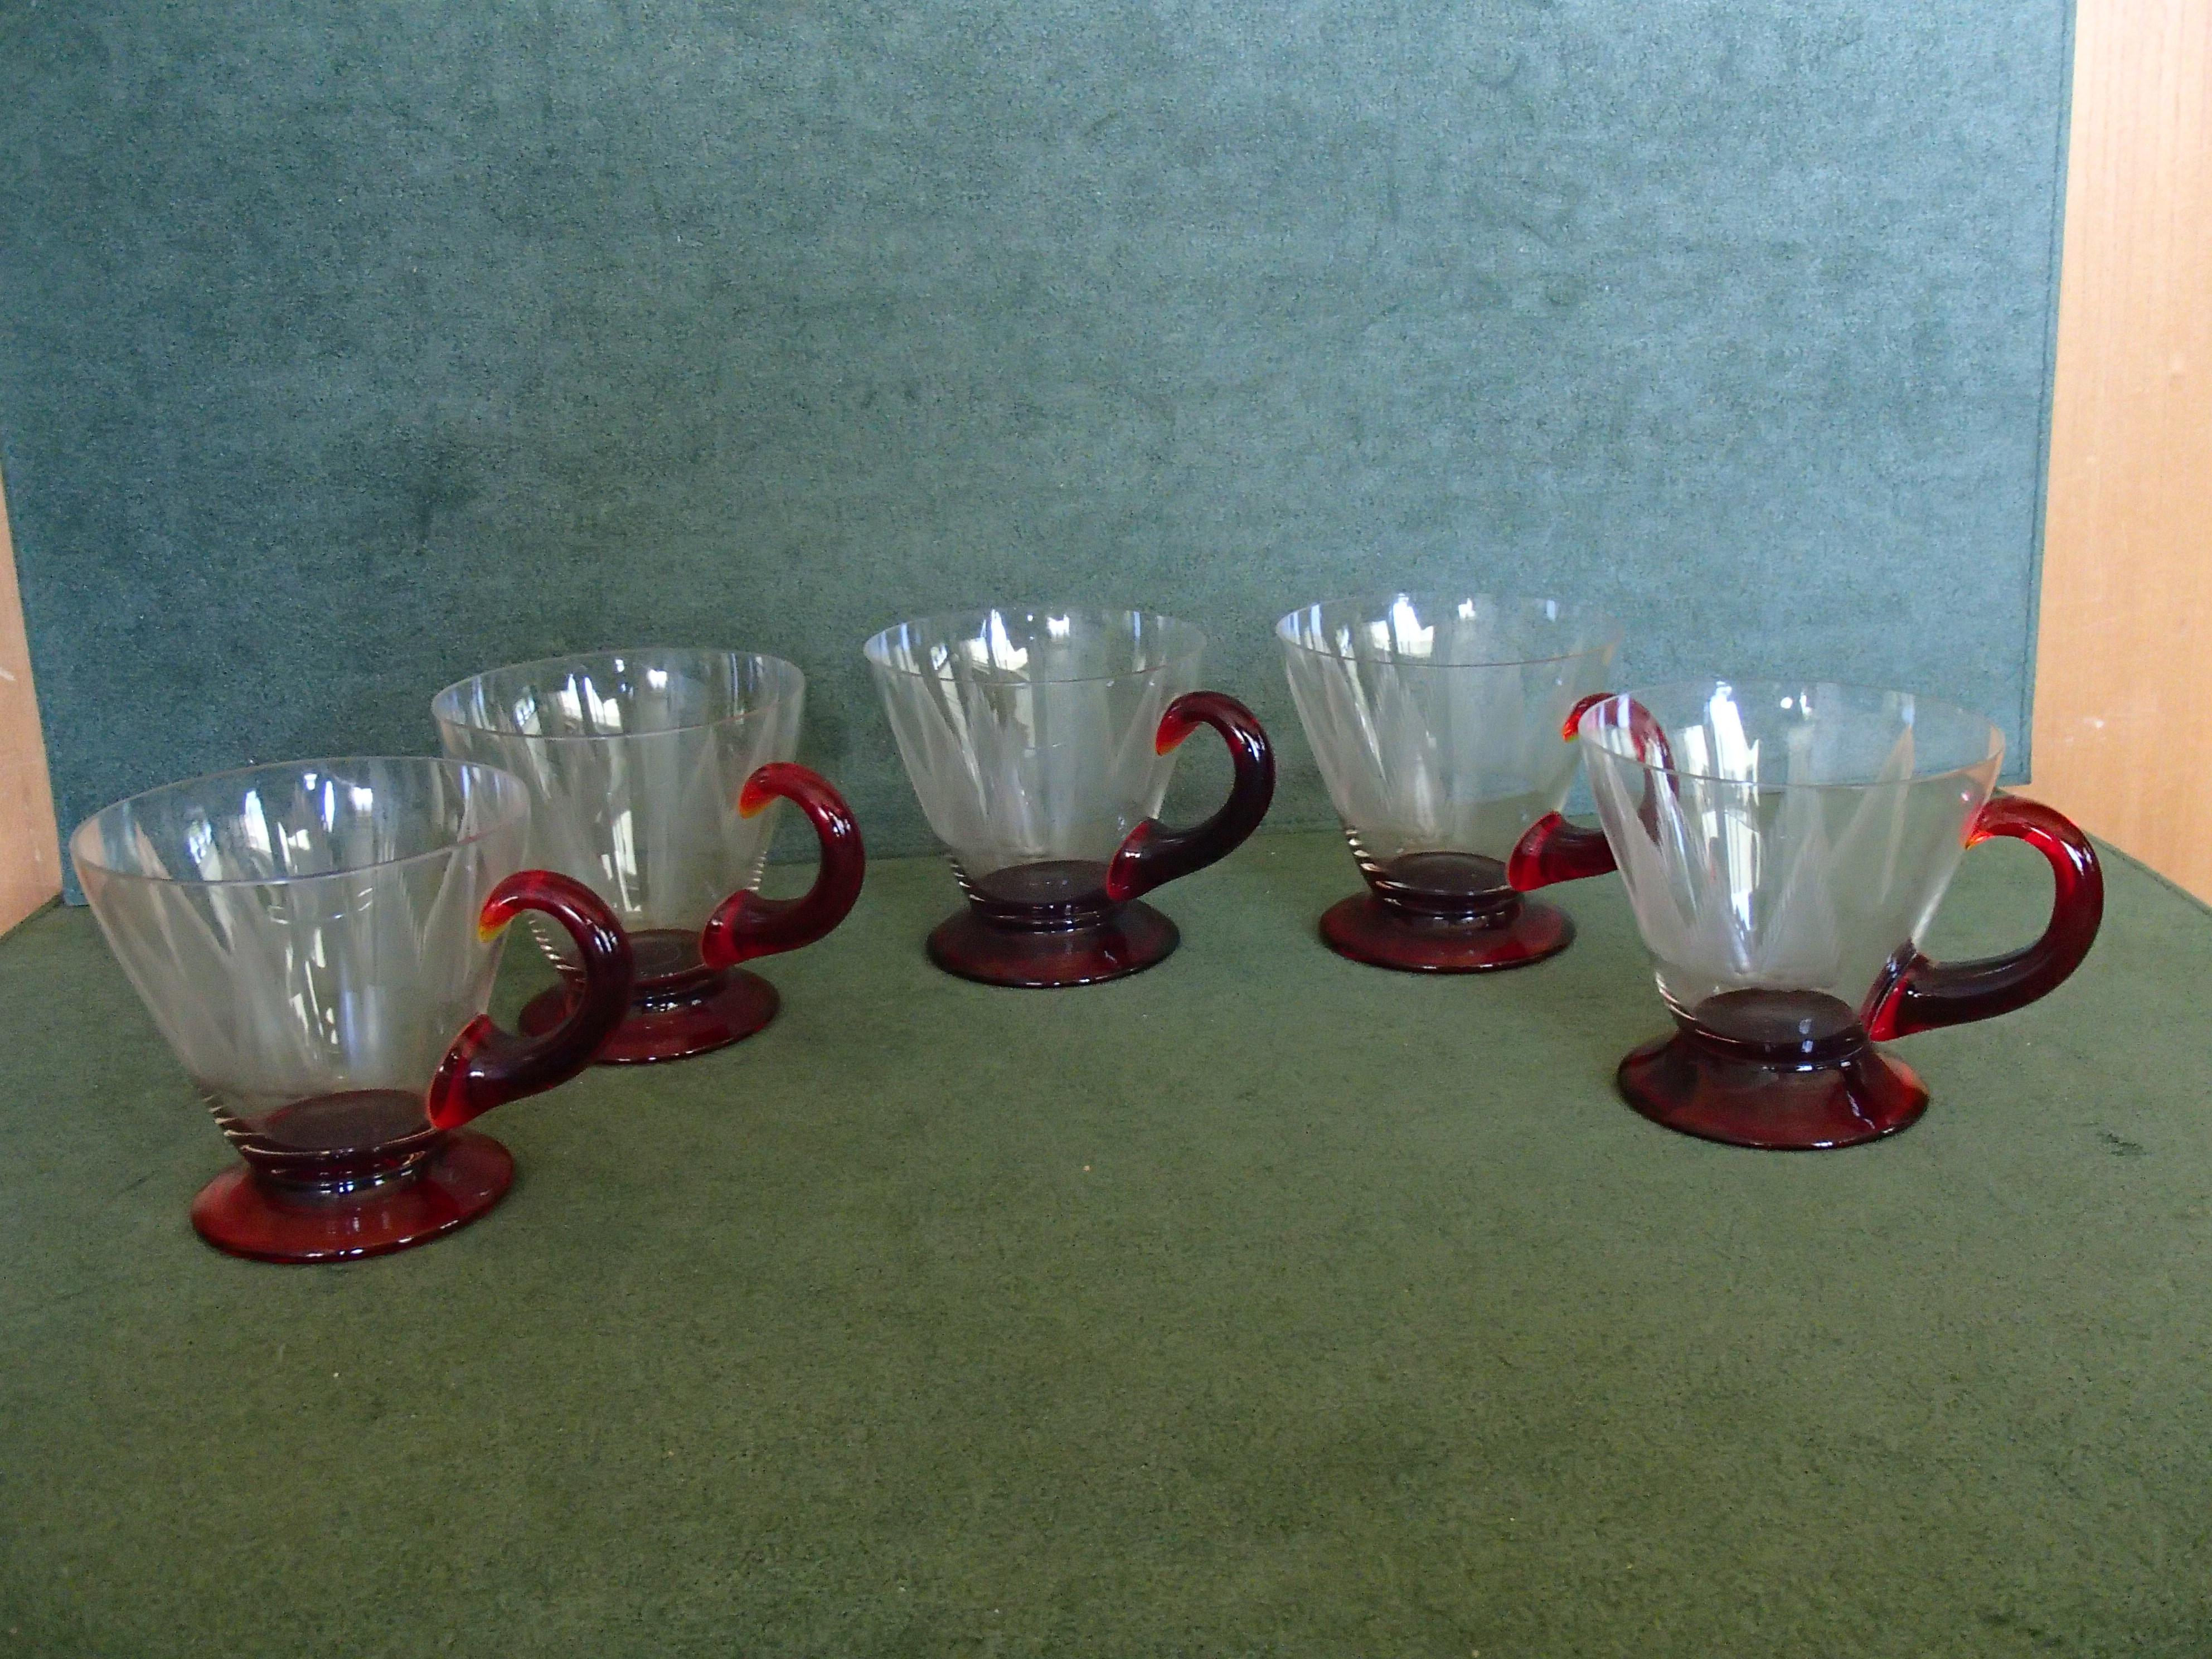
(350, 346)
(1260, 1304)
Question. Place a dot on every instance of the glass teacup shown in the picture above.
(1784, 846)
(316, 941)
(1435, 723)
(1039, 743)
(648, 771)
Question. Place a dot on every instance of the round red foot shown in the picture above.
(679, 1006)
(1127, 941)
(240, 1212)
(1367, 930)
(1687, 1086)
(701, 1017)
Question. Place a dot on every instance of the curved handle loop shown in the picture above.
(487, 1067)
(745, 925)
(1153, 854)
(1551, 849)
(1916, 994)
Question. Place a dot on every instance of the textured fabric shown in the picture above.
(346, 348)
(1262, 1303)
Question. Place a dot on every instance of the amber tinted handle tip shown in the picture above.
(499, 911)
(1174, 726)
(1572, 727)
(758, 794)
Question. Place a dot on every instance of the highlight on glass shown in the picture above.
(1784, 845)
(1039, 743)
(316, 942)
(650, 773)
(1435, 722)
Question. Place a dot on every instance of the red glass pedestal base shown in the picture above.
(679, 1006)
(1788, 1071)
(1444, 912)
(249, 1214)
(1048, 925)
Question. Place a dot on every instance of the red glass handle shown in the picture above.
(1551, 849)
(1154, 854)
(1916, 994)
(745, 925)
(487, 1067)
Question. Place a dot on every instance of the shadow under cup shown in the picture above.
(1040, 744)
(316, 942)
(1435, 723)
(649, 772)
(1785, 845)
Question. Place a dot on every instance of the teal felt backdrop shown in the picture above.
(348, 347)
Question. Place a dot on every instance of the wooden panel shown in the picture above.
(30, 856)
(2122, 740)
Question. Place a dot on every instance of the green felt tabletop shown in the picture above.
(1262, 1303)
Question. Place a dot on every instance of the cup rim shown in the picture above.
(947, 620)
(797, 686)
(1519, 604)
(518, 810)
(1995, 746)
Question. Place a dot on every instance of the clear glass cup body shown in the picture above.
(1781, 842)
(305, 936)
(634, 760)
(1030, 734)
(1436, 722)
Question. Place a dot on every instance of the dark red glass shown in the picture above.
(1920, 995)
(1444, 912)
(1554, 850)
(367, 1172)
(1800, 1071)
(1075, 921)
(1786, 1071)
(1050, 924)
(690, 995)
(455, 1178)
